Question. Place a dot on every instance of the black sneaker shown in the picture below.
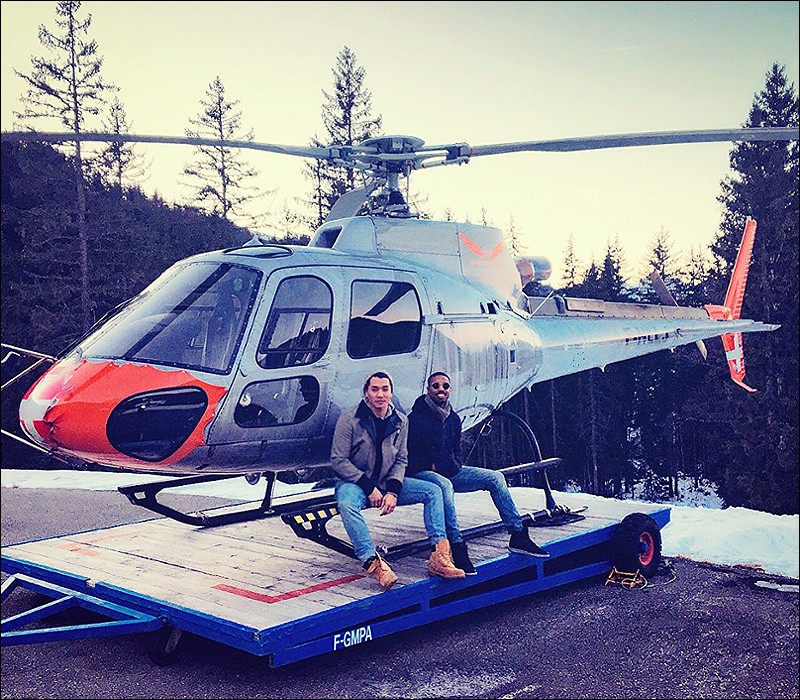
(521, 543)
(461, 558)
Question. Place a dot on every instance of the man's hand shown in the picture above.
(389, 504)
(375, 498)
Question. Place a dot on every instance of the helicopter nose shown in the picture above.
(118, 414)
(40, 398)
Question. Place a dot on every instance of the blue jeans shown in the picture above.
(467, 480)
(351, 499)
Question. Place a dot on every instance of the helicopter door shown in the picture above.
(385, 332)
(281, 393)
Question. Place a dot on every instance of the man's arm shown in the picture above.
(418, 454)
(397, 472)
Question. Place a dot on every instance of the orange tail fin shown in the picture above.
(732, 309)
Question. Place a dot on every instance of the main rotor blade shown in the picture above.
(55, 137)
(656, 138)
(373, 155)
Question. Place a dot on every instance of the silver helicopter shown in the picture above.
(239, 361)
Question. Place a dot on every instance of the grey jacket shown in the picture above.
(353, 450)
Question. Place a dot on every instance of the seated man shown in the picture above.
(369, 455)
(434, 454)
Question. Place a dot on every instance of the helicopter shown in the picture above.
(239, 361)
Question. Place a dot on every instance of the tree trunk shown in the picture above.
(83, 242)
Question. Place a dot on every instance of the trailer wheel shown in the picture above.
(165, 647)
(636, 545)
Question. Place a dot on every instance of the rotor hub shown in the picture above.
(394, 144)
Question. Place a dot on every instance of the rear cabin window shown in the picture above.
(299, 324)
(277, 402)
(385, 319)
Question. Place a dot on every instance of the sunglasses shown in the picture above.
(436, 385)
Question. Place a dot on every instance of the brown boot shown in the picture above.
(381, 571)
(441, 562)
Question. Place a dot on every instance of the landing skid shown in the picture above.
(308, 518)
(552, 514)
(562, 515)
(146, 496)
(312, 522)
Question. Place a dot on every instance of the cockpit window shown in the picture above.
(298, 328)
(385, 319)
(194, 316)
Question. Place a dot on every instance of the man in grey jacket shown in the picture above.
(369, 455)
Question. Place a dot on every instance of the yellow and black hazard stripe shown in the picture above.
(315, 516)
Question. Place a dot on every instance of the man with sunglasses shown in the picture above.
(434, 454)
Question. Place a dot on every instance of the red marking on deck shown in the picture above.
(80, 549)
(261, 597)
(111, 537)
(83, 546)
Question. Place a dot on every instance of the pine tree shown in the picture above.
(219, 177)
(661, 383)
(589, 287)
(347, 118)
(118, 163)
(318, 201)
(611, 282)
(661, 260)
(694, 280)
(67, 87)
(660, 257)
(570, 275)
(760, 469)
(512, 236)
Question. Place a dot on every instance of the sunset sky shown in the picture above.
(480, 72)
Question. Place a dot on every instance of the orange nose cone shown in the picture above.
(69, 409)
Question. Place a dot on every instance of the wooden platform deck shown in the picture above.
(258, 587)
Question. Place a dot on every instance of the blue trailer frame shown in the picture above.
(574, 556)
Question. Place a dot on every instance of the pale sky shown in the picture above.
(479, 72)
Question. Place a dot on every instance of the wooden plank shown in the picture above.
(182, 586)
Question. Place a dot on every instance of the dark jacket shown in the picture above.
(353, 451)
(433, 442)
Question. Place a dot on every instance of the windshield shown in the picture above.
(193, 316)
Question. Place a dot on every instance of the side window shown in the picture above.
(299, 324)
(277, 402)
(385, 319)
